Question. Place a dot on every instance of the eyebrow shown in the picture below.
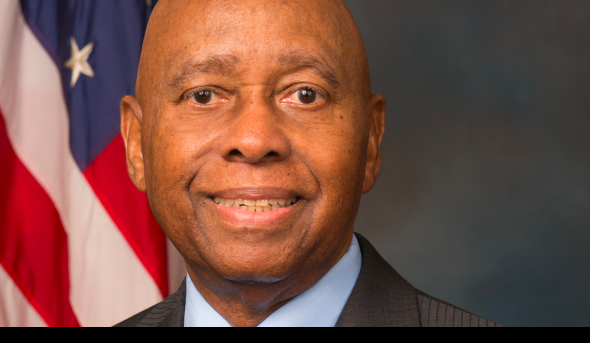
(219, 64)
(227, 63)
(299, 60)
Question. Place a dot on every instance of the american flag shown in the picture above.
(79, 245)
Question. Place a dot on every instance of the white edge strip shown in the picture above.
(108, 282)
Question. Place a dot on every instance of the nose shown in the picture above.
(255, 135)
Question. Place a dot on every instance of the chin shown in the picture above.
(254, 280)
(255, 268)
(252, 275)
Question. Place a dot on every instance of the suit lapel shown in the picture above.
(381, 297)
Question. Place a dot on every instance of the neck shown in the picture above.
(245, 304)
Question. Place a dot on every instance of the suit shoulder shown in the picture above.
(169, 313)
(438, 313)
(134, 320)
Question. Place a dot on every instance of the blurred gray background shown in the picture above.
(484, 195)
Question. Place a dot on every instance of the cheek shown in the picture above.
(175, 153)
(178, 146)
(335, 156)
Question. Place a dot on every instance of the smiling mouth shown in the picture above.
(256, 205)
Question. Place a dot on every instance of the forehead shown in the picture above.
(252, 31)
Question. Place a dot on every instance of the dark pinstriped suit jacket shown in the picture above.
(381, 297)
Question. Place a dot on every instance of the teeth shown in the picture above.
(262, 203)
(255, 205)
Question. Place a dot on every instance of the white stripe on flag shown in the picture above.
(176, 267)
(108, 282)
(15, 309)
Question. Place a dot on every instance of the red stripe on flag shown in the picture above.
(130, 210)
(33, 242)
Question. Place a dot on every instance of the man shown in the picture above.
(254, 134)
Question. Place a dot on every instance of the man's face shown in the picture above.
(252, 108)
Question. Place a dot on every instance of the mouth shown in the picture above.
(263, 205)
(257, 208)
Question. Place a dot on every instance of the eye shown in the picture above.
(305, 96)
(203, 97)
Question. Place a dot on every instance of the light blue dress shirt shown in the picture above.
(319, 306)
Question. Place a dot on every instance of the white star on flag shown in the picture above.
(78, 63)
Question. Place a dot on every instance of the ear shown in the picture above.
(376, 131)
(131, 117)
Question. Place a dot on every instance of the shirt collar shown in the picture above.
(319, 306)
